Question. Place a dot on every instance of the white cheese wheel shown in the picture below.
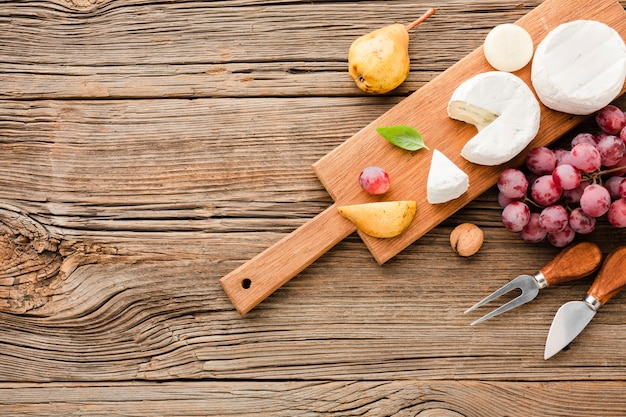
(446, 181)
(579, 67)
(508, 47)
(503, 109)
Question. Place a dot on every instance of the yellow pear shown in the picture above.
(379, 61)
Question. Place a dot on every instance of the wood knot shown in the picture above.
(82, 5)
(438, 412)
(29, 261)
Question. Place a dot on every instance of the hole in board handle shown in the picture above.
(246, 283)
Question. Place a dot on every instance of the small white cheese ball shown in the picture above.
(508, 47)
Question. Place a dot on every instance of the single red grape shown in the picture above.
(611, 119)
(595, 200)
(533, 232)
(541, 161)
(611, 150)
(544, 191)
(585, 157)
(617, 213)
(512, 183)
(584, 138)
(562, 238)
(515, 216)
(566, 176)
(374, 180)
(553, 218)
(580, 222)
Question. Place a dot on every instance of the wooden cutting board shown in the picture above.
(425, 110)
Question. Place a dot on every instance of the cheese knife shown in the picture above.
(571, 319)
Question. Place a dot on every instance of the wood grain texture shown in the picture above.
(136, 49)
(318, 398)
(149, 148)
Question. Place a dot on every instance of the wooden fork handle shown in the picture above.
(256, 279)
(573, 262)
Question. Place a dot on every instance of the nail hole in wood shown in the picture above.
(246, 283)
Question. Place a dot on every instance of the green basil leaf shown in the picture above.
(402, 136)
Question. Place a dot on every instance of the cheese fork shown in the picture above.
(573, 262)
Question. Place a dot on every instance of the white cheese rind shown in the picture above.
(446, 181)
(515, 127)
(579, 67)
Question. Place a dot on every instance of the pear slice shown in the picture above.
(383, 219)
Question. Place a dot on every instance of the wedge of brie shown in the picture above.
(503, 109)
(446, 181)
(579, 67)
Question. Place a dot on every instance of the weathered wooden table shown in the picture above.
(149, 148)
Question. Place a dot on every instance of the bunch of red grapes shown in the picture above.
(563, 192)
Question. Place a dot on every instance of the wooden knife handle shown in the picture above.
(573, 262)
(255, 280)
(611, 278)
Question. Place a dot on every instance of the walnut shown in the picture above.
(466, 239)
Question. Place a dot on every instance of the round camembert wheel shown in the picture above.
(579, 67)
(504, 110)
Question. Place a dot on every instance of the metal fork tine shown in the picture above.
(528, 286)
(509, 286)
(521, 299)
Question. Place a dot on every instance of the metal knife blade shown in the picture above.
(574, 316)
(568, 322)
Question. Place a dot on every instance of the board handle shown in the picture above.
(256, 279)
